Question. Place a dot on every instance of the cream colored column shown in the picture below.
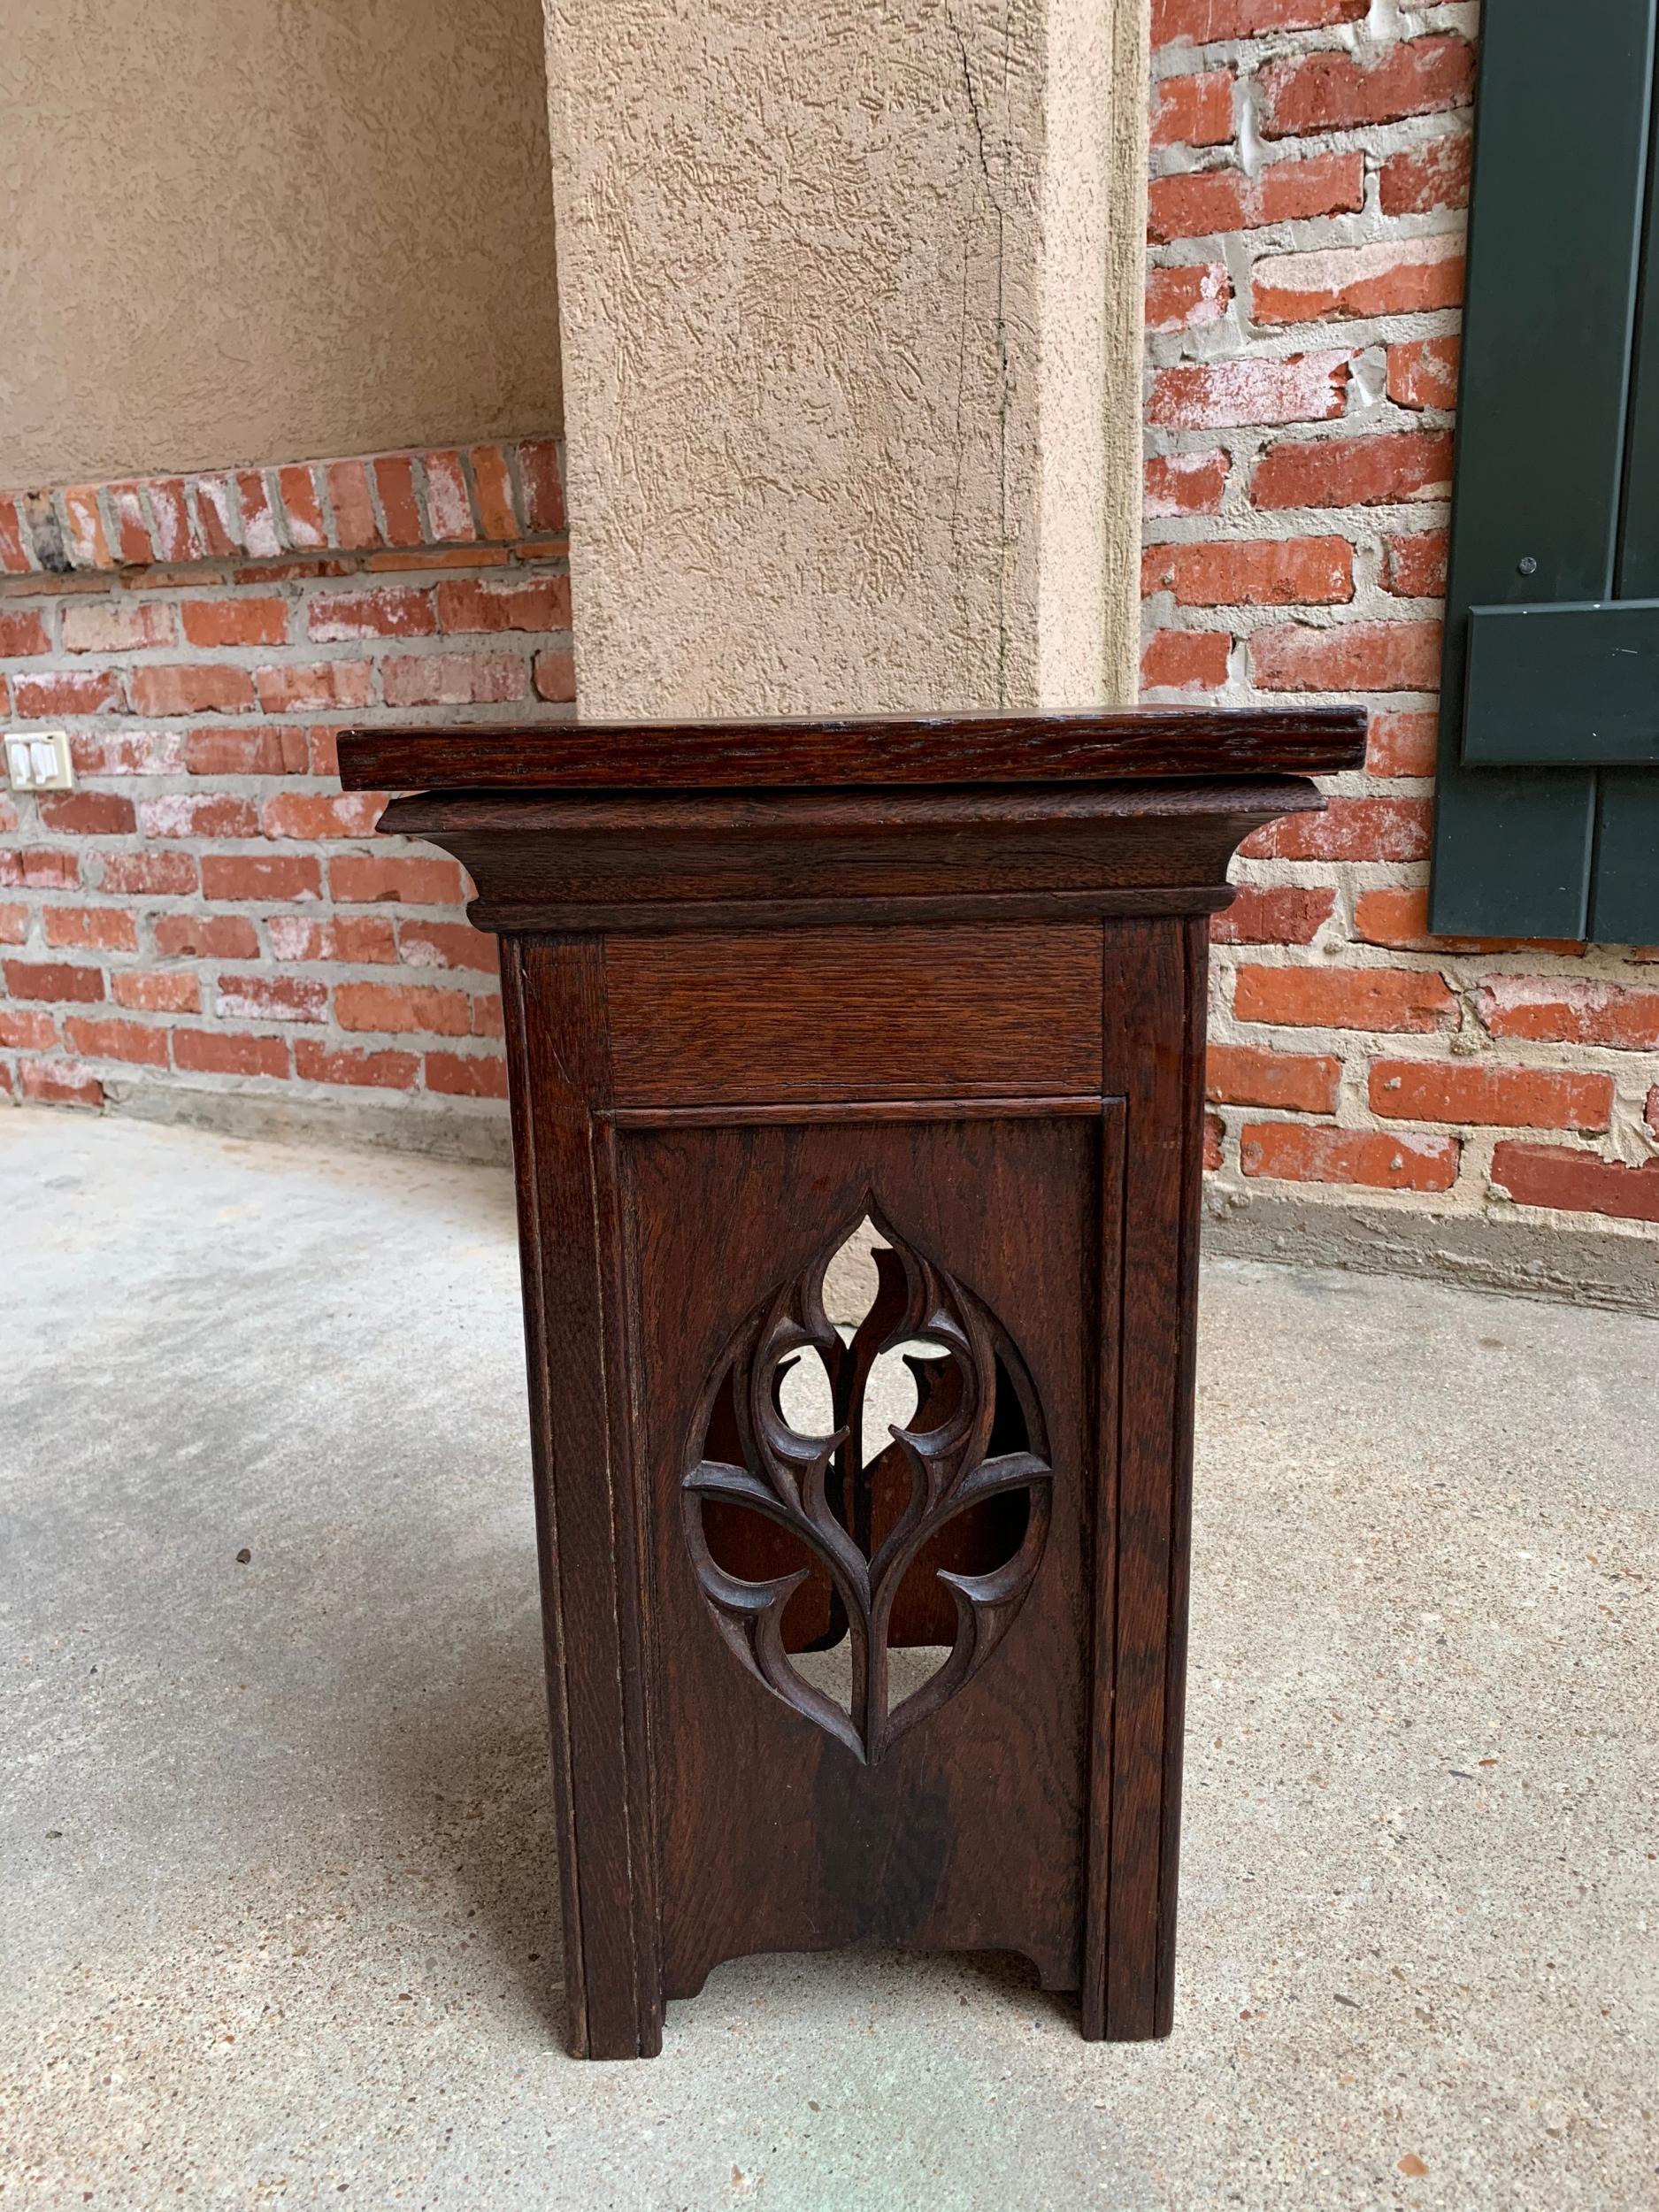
(850, 299)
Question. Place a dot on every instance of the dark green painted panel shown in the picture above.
(1626, 909)
(1563, 686)
(1625, 876)
(1559, 171)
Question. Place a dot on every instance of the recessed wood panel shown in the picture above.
(854, 1013)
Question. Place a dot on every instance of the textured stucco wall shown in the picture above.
(852, 348)
(262, 229)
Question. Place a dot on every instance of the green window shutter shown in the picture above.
(1546, 798)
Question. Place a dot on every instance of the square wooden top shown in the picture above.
(806, 753)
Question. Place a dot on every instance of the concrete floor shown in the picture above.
(278, 1898)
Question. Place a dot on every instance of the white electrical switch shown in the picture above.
(38, 760)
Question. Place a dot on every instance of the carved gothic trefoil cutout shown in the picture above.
(814, 1520)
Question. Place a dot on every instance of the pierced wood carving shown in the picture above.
(810, 1524)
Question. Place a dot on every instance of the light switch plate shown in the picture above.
(38, 760)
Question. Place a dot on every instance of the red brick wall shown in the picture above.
(206, 908)
(1309, 181)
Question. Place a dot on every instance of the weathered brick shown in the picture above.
(1414, 565)
(1343, 998)
(315, 1062)
(236, 876)
(316, 815)
(1205, 202)
(1398, 916)
(229, 1052)
(1186, 483)
(1186, 297)
(1348, 657)
(206, 937)
(1402, 743)
(94, 625)
(410, 880)
(127, 752)
(59, 1083)
(492, 480)
(1274, 914)
(260, 530)
(22, 633)
(296, 491)
(192, 688)
(449, 503)
(447, 945)
(1347, 830)
(91, 928)
(198, 814)
(1388, 277)
(1206, 22)
(389, 611)
(1575, 1181)
(1215, 1134)
(173, 524)
(1549, 1009)
(472, 1075)
(236, 620)
(1359, 472)
(1334, 89)
(452, 679)
(1256, 571)
(133, 543)
(57, 980)
(352, 499)
(394, 1008)
(26, 1029)
(86, 814)
(67, 691)
(1195, 110)
(271, 751)
(117, 1040)
(543, 484)
(1491, 1096)
(363, 939)
(270, 998)
(14, 556)
(1247, 1075)
(1254, 388)
(160, 991)
(301, 688)
(89, 543)
(148, 875)
(1426, 177)
(14, 924)
(1185, 660)
(1300, 1152)
(40, 869)
(400, 502)
(217, 515)
(1423, 372)
(553, 674)
(543, 604)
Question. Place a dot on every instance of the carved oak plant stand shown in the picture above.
(857, 1074)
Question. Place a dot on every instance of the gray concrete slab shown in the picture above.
(279, 1894)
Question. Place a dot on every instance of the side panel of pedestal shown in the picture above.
(1154, 1033)
(586, 1510)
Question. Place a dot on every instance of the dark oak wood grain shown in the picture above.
(962, 1019)
(866, 749)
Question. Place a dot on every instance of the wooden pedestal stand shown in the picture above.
(922, 998)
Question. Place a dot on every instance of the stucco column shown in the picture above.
(850, 300)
